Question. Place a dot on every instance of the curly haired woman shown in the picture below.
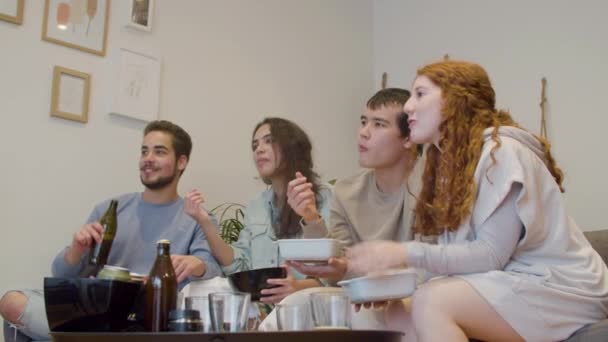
(511, 264)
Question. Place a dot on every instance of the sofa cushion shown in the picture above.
(599, 242)
(597, 332)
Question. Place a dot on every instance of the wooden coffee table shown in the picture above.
(279, 336)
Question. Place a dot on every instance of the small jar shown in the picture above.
(114, 273)
(185, 320)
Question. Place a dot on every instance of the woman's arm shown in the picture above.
(220, 249)
(492, 249)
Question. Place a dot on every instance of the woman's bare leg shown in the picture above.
(449, 309)
(398, 317)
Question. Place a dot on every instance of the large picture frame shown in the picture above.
(70, 94)
(136, 90)
(140, 14)
(79, 24)
(12, 11)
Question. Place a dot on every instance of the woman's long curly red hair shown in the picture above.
(448, 184)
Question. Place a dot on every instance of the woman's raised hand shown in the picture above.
(301, 197)
(193, 202)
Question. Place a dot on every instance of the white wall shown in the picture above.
(225, 65)
(519, 42)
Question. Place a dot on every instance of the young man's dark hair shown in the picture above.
(387, 97)
(182, 144)
(393, 97)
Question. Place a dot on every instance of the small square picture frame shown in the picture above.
(140, 14)
(12, 11)
(70, 94)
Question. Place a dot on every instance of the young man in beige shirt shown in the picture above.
(375, 203)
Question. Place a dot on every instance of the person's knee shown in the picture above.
(425, 305)
(12, 305)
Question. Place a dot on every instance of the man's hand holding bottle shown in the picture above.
(82, 241)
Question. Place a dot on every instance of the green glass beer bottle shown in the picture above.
(98, 255)
(160, 290)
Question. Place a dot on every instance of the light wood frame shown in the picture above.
(18, 19)
(101, 52)
(56, 92)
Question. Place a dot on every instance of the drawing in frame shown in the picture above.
(70, 94)
(12, 11)
(140, 14)
(136, 90)
(79, 24)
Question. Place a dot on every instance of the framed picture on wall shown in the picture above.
(79, 24)
(70, 94)
(140, 14)
(137, 86)
(11, 11)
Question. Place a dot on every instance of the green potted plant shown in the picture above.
(230, 216)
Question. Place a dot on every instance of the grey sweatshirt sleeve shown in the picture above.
(199, 247)
(496, 241)
(60, 268)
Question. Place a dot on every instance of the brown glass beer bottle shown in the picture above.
(160, 290)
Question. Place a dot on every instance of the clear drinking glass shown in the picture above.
(330, 310)
(229, 311)
(292, 317)
(200, 303)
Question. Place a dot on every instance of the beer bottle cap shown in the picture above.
(163, 241)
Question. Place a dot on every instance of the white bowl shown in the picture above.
(309, 250)
(392, 284)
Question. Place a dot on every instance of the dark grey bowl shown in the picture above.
(254, 281)
(87, 304)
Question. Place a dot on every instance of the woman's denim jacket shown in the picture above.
(256, 247)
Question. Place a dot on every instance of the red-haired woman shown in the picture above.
(515, 267)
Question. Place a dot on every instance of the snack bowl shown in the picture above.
(309, 250)
(380, 286)
(254, 281)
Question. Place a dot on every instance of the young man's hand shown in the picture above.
(334, 270)
(82, 241)
(187, 265)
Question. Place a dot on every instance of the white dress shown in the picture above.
(551, 282)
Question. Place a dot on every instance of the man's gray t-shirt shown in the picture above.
(140, 226)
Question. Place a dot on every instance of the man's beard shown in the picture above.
(160, 183)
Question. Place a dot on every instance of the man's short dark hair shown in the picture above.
(388, 97)
(182, 144)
